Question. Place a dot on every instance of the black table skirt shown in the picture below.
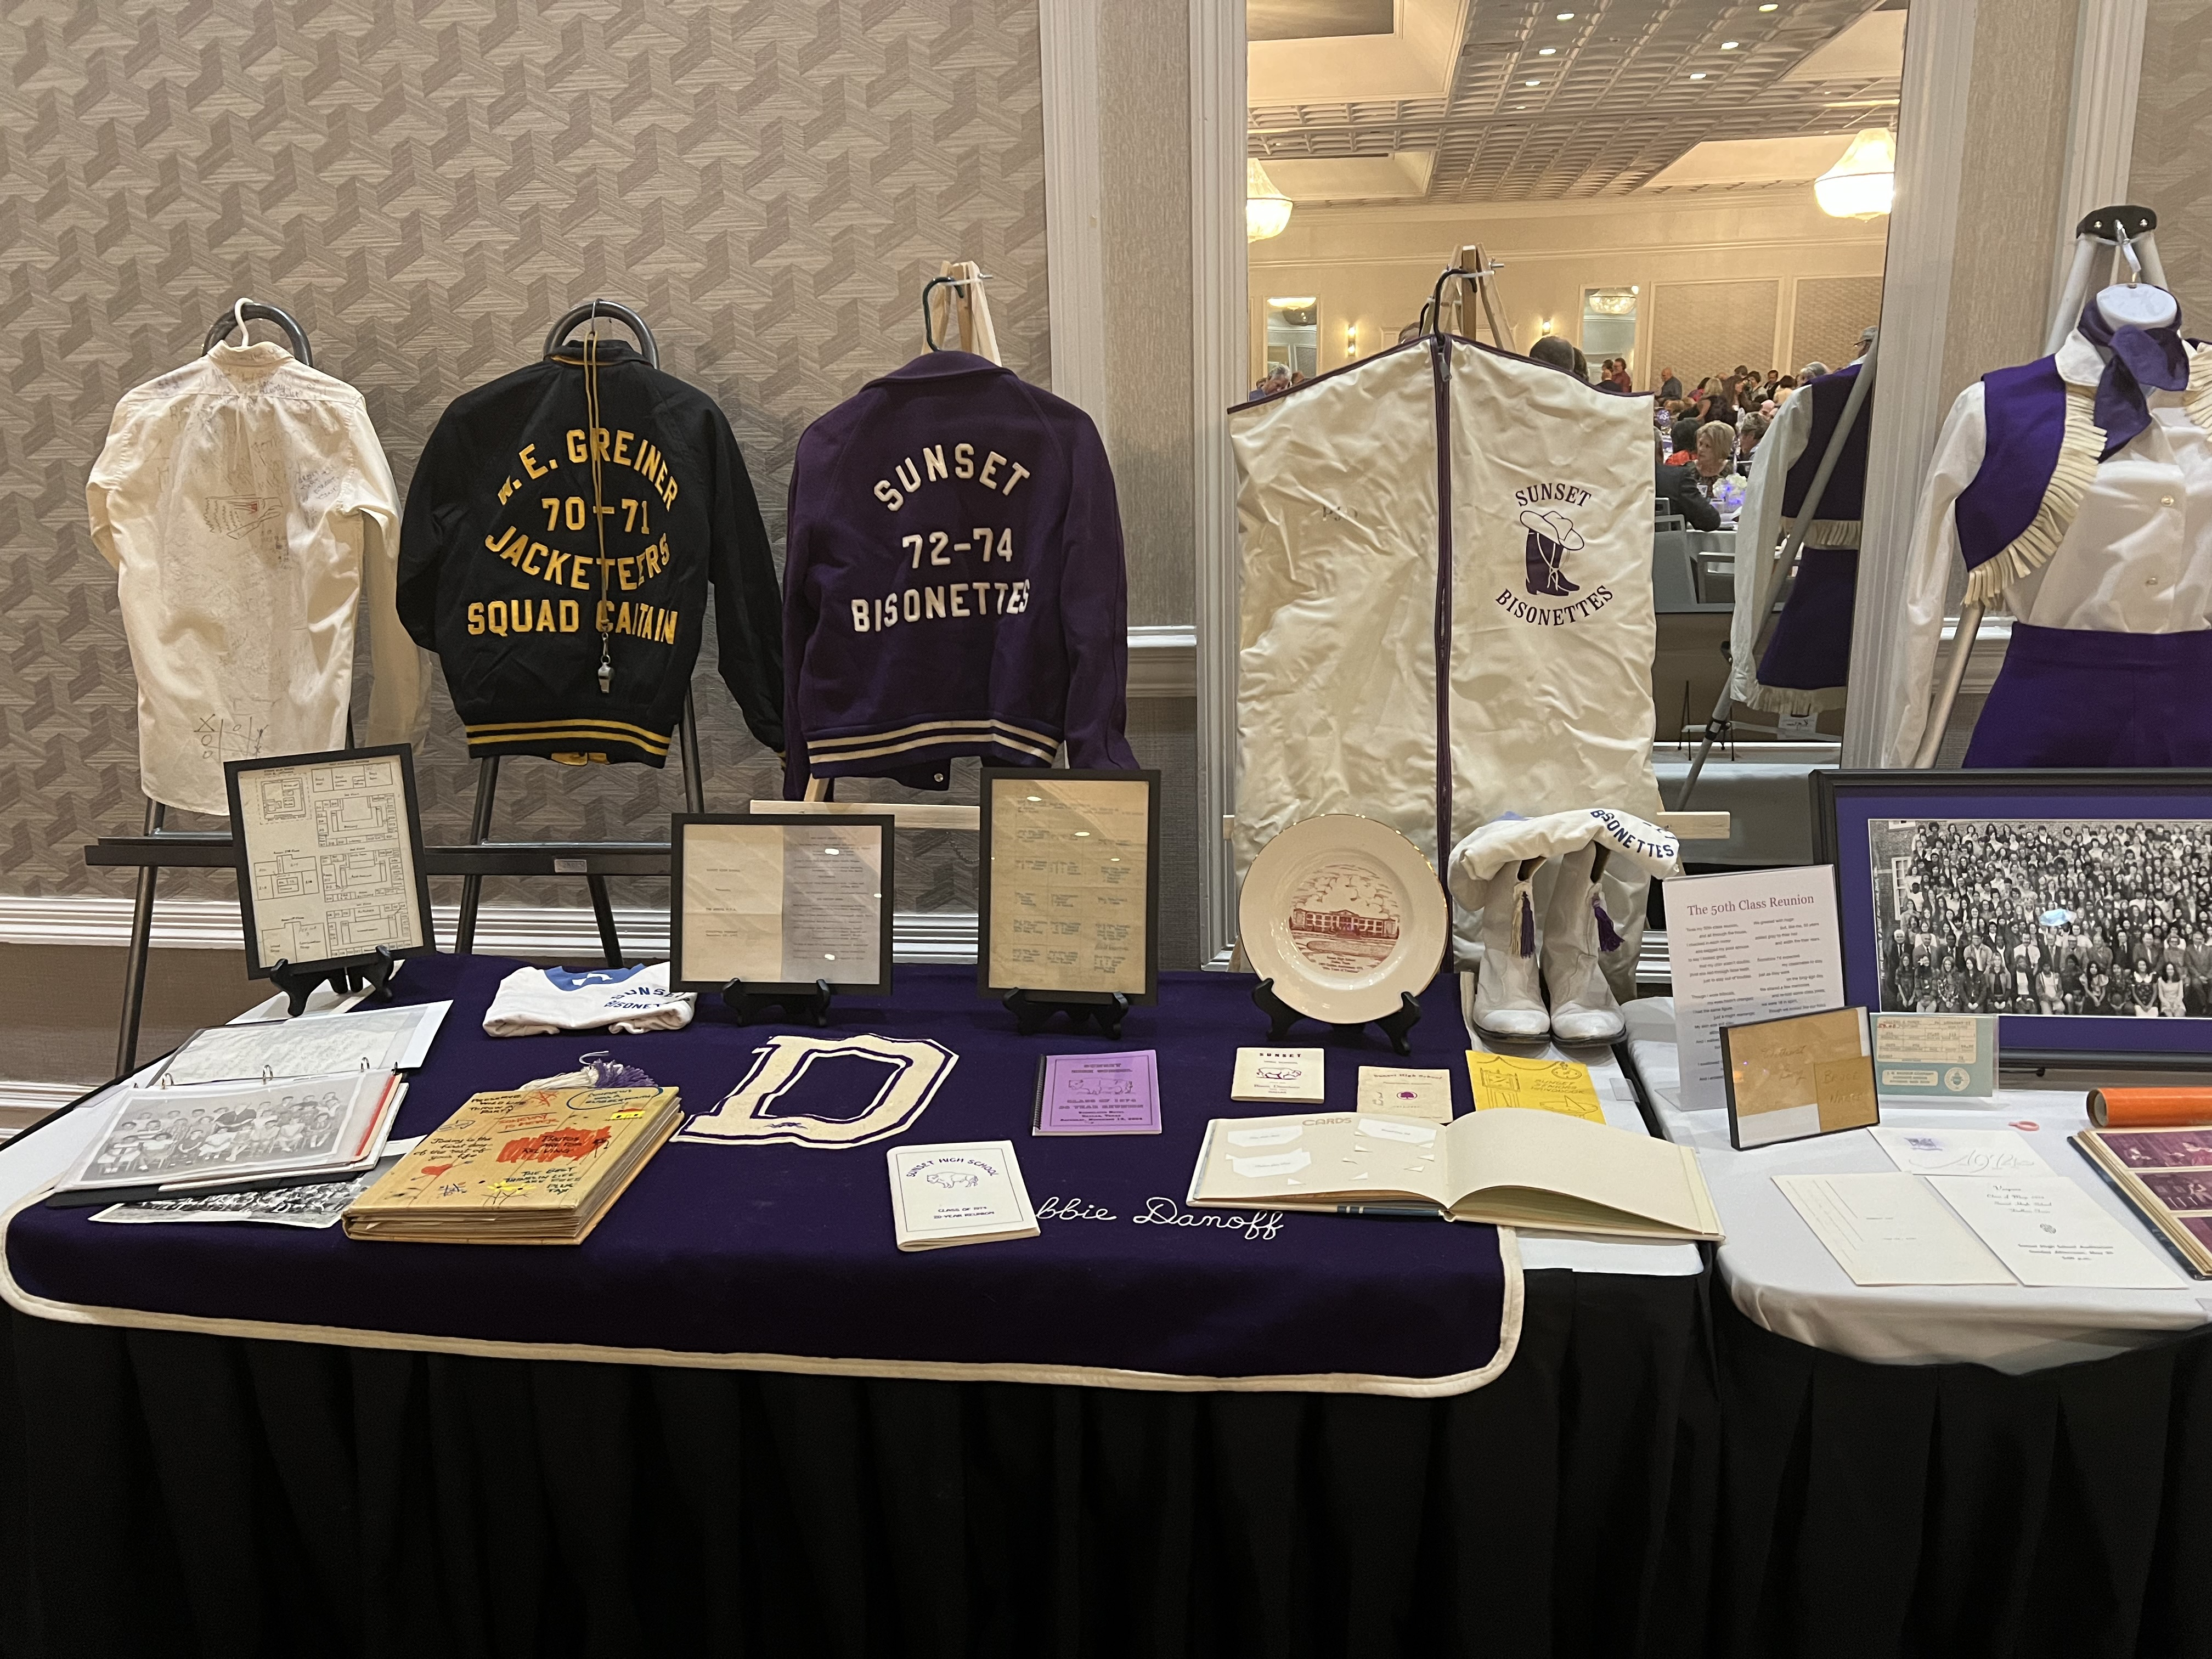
(176, 1493)
(1953, 1512)
(184, 1494)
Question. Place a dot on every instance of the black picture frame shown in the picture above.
(234, 776)
(883, 823)
(1728, 1079)
(1848, 804)
(987, 980)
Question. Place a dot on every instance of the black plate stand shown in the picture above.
(1033, 1010)
(298, 984)
(807, 1007)
(1281, 1016)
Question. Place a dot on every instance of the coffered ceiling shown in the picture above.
(1563, 98)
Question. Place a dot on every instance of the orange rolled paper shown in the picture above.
(2149, 1109)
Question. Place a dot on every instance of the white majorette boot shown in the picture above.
(1508, 1001)
(1490, 869)
(1577, 936)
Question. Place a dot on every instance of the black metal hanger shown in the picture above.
(243, 311)
(1432, 313)
(929, 334)
(558, 334)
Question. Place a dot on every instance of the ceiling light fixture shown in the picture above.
(1698, 75)
(1547, 51)
(1864, 184)
(1728, 45)
(1566, 17)
(1532, 83)
(1766, 7)
(1267, 210)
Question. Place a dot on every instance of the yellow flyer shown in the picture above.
(1536, 1086)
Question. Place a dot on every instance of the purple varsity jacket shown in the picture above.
(953, 583)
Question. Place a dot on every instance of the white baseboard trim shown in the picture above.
(562, 931)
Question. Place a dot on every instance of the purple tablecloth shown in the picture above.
(782, 1257)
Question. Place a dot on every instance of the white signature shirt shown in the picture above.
(244, 502)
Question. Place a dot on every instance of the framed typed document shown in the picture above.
(329, 859)
(1070, 885)
(781, 905)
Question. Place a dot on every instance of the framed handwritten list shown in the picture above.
(1070, 899)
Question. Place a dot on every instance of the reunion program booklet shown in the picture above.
(1291, 1076)
(968, 1193)
(1506, 1165)
(1097, 1094)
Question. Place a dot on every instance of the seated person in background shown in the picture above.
(1748, 436)
(1670, 386)
(1682, 443)
(1677, 486)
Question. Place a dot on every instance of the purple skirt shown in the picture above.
(2074, 696)
(1811, 646)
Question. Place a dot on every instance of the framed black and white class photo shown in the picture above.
(329, 859)
(781, 904)
(1069, 882)
(2075, 906)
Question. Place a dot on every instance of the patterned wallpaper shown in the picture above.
(2173, 137)
(427, 187)
(1708, 328)
(1828, 317)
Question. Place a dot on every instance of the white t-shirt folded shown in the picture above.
(535, 1001)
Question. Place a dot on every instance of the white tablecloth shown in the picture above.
(1784, 1279)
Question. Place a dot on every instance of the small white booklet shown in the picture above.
(1405, 1091)
(1289, 1075)
(2048, 1232)
(1891, 1229)
(1960, 1151)
(313, 1045)
(964, 1193)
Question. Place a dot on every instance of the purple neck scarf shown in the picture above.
(2137, 357)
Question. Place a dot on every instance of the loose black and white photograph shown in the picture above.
(2099, 918)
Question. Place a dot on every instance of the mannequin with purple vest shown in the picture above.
(2077, 492)
(1806, 660)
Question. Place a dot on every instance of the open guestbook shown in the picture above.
(1512, 1167)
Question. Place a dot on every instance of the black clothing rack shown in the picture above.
(158, 848)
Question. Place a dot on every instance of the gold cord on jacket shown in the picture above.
(599, 504)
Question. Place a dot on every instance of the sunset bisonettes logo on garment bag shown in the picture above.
(1548, 551)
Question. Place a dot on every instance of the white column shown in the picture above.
(1219, 284)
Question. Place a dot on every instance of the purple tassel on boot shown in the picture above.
(1608, 938)
(1527, 922)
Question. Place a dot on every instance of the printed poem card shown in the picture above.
(1097, 1095)
(1751, 946)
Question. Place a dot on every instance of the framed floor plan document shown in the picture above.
(1069, 897)
(329, 859)
(779, 903)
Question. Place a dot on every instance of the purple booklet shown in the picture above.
(1097, 1094)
